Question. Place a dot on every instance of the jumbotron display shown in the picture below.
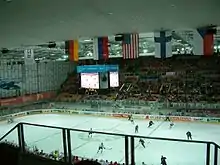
(90, 80)
(98, 76)
(114, 79)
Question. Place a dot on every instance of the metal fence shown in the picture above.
(126, 148)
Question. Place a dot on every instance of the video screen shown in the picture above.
(90, 80)
(114, 79)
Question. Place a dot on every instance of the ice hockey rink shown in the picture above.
(177, 153)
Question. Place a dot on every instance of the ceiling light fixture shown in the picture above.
(8, 1)
(87, 40)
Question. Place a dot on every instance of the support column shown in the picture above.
(126, 151)
(69, 147)
(132, 151)
(208, 154)
(21, 141)
(216, 155)
(64, 145)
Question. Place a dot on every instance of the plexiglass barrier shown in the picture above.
(43, 138)
(11, 136)
(107, 146)
(150, 151)
(89, 145)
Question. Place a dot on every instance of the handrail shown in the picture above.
(122, 135)
(64, 130)
(8, 132)
(215, 144)
(108, 133)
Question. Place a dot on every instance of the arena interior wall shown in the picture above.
(18, 79)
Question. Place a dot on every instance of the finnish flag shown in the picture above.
(163, 44)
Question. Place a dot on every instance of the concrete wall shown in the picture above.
(17, 79)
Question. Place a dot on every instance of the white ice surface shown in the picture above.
(177, 153)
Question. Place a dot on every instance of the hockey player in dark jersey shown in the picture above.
(136, 129)
(101, 148)
(150, 123)
(90, 133)
(189, 135)
(171, 125)
(142, 142)
(163, 160)
(167, 118)
(129, 117)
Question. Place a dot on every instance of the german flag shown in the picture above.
(72, 49)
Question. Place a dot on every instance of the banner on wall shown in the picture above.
(29, 57)
(38, 97)
(97, 68)
(26, 99)
(11, 101)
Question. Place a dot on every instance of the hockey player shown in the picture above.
(142, 142)
(171, 125)
(150, 123)
(132, 120)
(163, 160)
(136, 129)
(90, 133)
(129, 117)
(101, 147)
(189, 135)
(10, 120)
(167, 118)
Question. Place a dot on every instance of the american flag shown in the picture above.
(130, 46)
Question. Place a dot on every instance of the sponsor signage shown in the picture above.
(57, 111)
(216, 120)
(97, 68)
(197, 119)
(20, 114)
(11, 101)
(46, 95)
(25, 99)
(180, 118)
(157, 117)
(31, 98)
(46, 111)
(34, 112)
(120, 115)
(88, 113)
(74, 112)
(139, 116)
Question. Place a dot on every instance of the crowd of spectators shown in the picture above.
(57, 155)
(185, 79)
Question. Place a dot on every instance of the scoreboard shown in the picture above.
(98, 76)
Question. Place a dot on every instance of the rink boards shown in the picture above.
(208, 120)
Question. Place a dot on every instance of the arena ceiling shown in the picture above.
(27, 23)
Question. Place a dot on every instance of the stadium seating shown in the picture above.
(183, 79)
(36, 156)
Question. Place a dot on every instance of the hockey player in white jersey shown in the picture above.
(101, 148)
